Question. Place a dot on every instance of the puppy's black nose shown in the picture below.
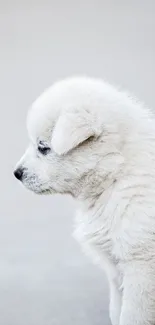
(19, 173)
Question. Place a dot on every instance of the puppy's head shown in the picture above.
(69, 145)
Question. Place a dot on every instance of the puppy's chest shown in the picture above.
(94, 233)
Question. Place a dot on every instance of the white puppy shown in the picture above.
(96, 143)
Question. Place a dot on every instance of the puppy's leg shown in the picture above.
(115, 294)
(138, 302)
(115, 302)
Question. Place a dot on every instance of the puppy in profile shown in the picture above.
(96, 143)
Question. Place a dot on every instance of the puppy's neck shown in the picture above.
(93, 190)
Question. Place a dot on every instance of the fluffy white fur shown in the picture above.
(102, 151)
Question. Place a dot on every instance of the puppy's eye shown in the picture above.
(43, 149)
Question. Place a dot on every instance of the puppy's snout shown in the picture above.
(19, 173)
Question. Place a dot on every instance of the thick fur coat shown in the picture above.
(97, 143)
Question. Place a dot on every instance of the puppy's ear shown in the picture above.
(72, 129)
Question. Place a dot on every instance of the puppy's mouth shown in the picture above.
(33, 183)
(37, 188)
(44, 192)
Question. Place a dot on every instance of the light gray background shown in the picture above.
(44, 278)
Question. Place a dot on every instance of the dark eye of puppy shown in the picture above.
(43, 148)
